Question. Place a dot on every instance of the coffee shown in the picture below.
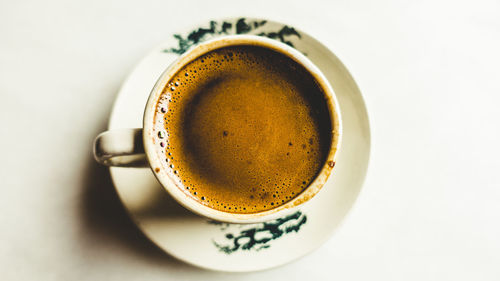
(244, 128)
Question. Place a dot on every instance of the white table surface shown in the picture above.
(430, 208)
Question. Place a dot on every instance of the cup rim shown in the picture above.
(163, 173)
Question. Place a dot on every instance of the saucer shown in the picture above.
(235, 247)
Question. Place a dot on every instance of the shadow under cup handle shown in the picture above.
(120, 148)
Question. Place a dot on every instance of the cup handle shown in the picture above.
(120, 148)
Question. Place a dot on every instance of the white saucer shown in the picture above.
(227, 247)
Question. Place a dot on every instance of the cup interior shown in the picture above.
(165, 174)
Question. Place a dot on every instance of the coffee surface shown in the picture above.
(244, 129)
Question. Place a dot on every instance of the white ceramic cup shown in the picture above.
(138, 147)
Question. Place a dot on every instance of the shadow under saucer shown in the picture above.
(105, 218)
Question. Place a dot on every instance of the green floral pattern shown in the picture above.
(241, 26)
(259, 236)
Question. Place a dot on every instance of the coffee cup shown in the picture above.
(288, 128)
